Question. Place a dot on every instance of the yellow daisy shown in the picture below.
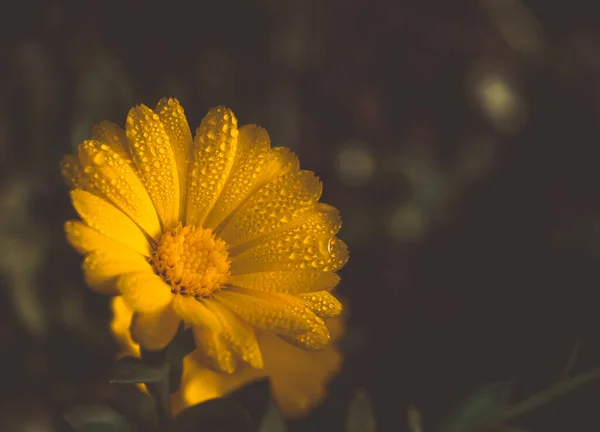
(220, 231)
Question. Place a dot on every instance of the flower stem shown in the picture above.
(559, 389)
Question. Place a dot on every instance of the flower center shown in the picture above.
(192, 260)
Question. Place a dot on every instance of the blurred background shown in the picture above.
(458, 139)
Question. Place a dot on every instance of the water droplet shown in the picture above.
(99, 159)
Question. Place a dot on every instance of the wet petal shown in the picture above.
(154, 330)
(207, 332)
(194, 312)
(85, 239)
(323, 304)
(110, 221)
(298, 376)
(273, 207)
(73, 174)
(117, 181)
(290, 282)
(255, 165)
(144, 291)
(213, 154)
(113, 136)
(173, 118)
(283, 314)
(293, 252)
(214, 351)
(238, 334)
(101, 268)
(153, 154)
(309, 245)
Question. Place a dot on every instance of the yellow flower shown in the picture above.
(220, 231)
(298, 377)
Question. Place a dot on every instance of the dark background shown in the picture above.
(458, 139)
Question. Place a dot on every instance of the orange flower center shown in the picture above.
(192, 260)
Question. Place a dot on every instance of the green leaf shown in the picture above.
(181, 345)
(133, 370)
(254, 398)
(175, 373)
(134, 403)
(97, 418)
(242, 410)
(484, 404)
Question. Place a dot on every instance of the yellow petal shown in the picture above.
(238, 334)
(323, 219)
(213, 350)
(144, 291)
(101, 268)
(119, 327)
(173, 118)
(323, 304)
(154, 330)
(283, 314)
(114, 137)
(298, 376)
(110, 221)
(196, 313)
(290, 282)
(213, 153)
(319, 252)
(273, 207)
(112, 175)
(73, 174)
(309, 244)
(208, 332)
(254, 166)
(200, 383)
(85, 239)
(152, 153)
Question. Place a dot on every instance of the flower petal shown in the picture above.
(110, 221)
(283, 314)
(196, 313)
(291, 252)
(101, 269)
(208, 332)
(114, 137)
(273, 207)
(290, 282)
(109, 173)
(152, 153)
(323, 219)
(119, 327)
(308, 244)
(254, 166)
(322, 303)
(213, 350)
(85, 239)
(154, 330)
(298, 376)
(200, 383)
(173, 118)
(238, 334)
(73, 174)
(144, 291)
(213, 153)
